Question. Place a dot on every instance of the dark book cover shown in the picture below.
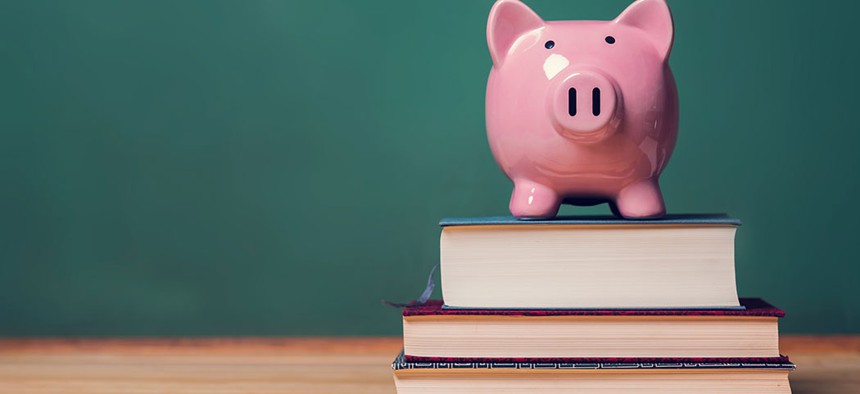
(594, 360)
(404, 362)
(671, 219)
(752, 307)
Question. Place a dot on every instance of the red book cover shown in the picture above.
(753, 307)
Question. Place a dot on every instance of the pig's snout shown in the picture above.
(584, 106)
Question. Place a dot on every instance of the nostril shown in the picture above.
(571, 101)
(595, 101)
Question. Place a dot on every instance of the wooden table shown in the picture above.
(296, 365)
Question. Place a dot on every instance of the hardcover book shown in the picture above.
(597, 376)
(434, 333)
(679, 261)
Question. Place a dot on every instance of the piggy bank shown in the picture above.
(582, 112)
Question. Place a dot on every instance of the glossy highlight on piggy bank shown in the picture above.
(582, 112)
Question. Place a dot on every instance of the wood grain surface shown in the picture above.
(826, 365)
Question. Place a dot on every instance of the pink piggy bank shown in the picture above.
(582, 112)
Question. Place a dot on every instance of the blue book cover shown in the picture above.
(401, 363)
(671, 219)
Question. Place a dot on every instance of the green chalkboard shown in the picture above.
(279, 167)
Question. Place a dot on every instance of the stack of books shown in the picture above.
(591, 305)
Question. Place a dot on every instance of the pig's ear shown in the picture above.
(509, 19)
(654, 18)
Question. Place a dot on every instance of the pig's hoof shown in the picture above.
(642, 200)
(534, 201)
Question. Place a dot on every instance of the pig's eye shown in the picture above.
(549, 44)
(610, 40)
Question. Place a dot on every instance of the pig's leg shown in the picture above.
(533, 200)
(641, 200)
